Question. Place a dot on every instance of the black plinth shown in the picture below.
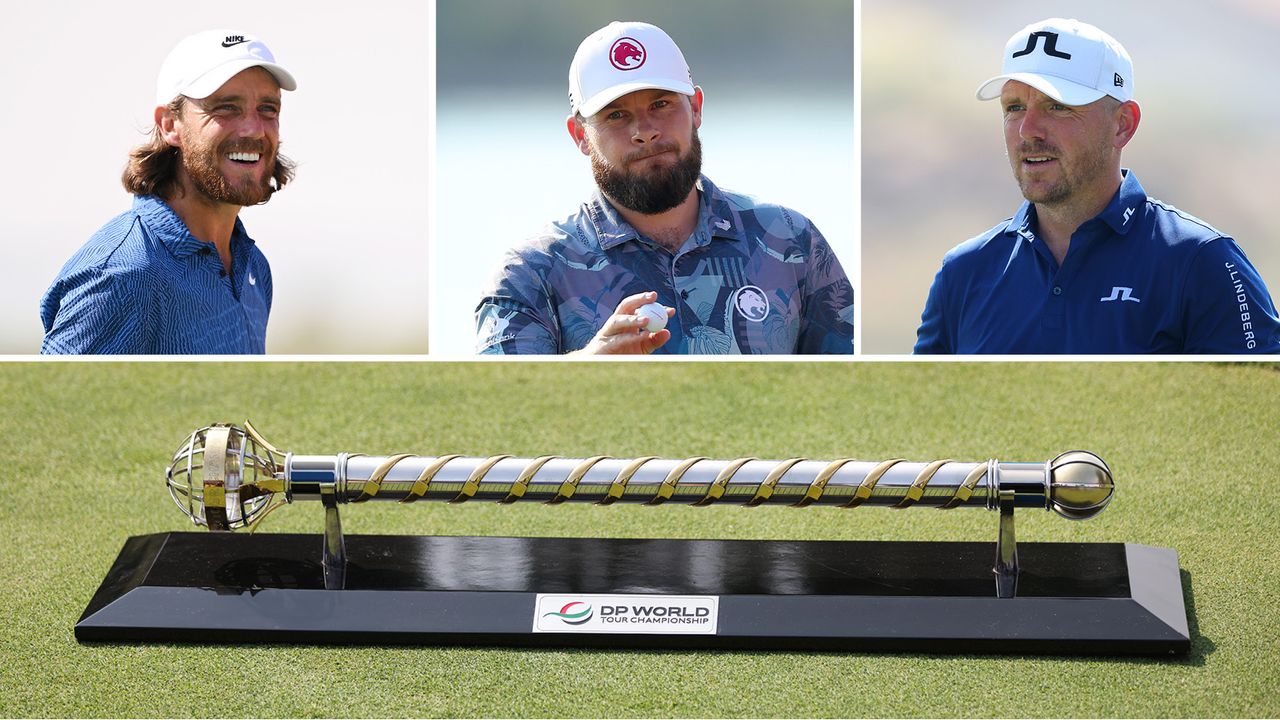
(744, 594)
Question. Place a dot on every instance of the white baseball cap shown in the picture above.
(199, 64)
(1072, 62)
(621, 58)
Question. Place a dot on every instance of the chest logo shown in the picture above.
(627, 54)
(751, 303)
(1120, 293)
(1128, 213)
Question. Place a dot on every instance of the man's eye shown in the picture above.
(616, 114)
(661, 103)
(1012, 107)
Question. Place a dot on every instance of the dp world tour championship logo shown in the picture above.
(572, 614)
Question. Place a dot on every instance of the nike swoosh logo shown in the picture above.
(253, 280)
(230, 44)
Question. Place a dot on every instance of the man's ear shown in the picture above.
(170, 125)
(1128, 115)
(695, 104)
(578, 132)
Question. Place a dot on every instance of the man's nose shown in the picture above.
(644, 131)
(253, 125)
(1032, 126)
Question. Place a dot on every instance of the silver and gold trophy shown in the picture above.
(930, 596)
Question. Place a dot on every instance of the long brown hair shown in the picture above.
(153, 168)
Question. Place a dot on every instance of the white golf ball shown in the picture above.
(656, 314)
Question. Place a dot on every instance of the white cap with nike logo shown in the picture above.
(199, 64)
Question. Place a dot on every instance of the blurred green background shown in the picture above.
(1192, 446)
(934, 171)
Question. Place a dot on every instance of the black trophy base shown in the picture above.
(1103, 598)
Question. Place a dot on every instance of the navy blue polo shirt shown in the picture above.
(1141, 277)
(143, 284)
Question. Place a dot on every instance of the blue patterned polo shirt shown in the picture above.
(751, 279)
(144, 285)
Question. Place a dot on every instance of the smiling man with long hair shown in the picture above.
(177, 273)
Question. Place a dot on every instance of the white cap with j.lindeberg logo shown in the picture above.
(621, 58)
(198, 65)
(1072, 62)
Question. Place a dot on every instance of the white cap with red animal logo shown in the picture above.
(621, 58)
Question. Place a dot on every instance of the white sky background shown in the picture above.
(347, 241)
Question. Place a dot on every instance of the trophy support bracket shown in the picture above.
(1072, 598)
(1006, 569)
(334, 556)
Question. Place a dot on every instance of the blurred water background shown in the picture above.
(778, 123)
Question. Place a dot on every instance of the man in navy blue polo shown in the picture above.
(177, 273)
(1090, 264)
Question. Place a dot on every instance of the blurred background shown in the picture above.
(778, 123)
(933, 161)
(347, 240)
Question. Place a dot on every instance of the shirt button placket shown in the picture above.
(1055, 309)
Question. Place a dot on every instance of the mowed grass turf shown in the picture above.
(1194, 448)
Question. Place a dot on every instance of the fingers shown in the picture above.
(639, 343)
(633, 302)
(624, 332)
(621, 324)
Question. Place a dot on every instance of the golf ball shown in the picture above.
(656, 314)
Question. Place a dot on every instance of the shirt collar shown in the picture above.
(716, 218)
(1126, 207)
(173, 232)
(1127, 204)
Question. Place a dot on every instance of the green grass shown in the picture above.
(1193, 446)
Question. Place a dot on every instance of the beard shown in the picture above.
(1080, 174)
(655, 191)
(200, 160)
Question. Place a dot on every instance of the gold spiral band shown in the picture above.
(374, 483)
(473, 480)
(521, 485)
(965, 491)
(423, 483)
(716, 491)
(570, 484)
(765, 491)
(868, 484)
(619, 485)
(668, 486)
(916, 491)
(820, 482)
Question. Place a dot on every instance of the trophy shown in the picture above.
(223, 586)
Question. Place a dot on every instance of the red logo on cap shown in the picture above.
(627, 54)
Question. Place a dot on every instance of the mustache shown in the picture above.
(245, 145)
(648, 152)
(1038, 147)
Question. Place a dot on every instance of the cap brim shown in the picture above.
(1064, 91)
(207, 84)
(597, 102)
